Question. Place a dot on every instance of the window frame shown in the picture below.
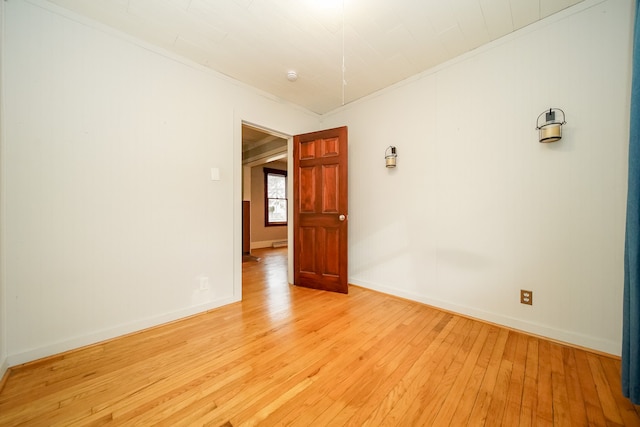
(267, 172)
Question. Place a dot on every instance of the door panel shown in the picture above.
(330, 182)
(307, 239)
(320, 210)
(307, 182)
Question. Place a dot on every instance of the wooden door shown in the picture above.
(320, 210)
(246, 227)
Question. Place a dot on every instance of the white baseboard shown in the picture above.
(569, 337)
(99, 336)
(265, 243)
(4, 366)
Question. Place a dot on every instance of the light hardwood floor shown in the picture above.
(288, 355)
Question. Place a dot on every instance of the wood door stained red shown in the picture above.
(320, 210)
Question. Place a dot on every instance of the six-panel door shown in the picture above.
(320, 210)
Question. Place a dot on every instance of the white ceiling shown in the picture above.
(259, 41)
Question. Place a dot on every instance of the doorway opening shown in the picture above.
(265, 195)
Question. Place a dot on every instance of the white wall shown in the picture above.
(111, 217)
(477, 209)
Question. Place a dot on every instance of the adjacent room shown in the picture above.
(319, 212)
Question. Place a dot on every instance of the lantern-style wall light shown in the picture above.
(390, 156)
(551, 129)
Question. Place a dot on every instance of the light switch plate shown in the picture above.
(215, 174)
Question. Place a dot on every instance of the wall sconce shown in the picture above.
(551, 129)
(390, 156)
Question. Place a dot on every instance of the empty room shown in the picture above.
(319, 212)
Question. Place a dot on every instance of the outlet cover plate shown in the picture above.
(526, 297)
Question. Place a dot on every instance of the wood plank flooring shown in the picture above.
(295, 356)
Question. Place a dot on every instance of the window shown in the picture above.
(275, 197)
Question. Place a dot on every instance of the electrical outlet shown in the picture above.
(204, 283)
(526, 297)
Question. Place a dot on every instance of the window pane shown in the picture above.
(277, 210)
(276, 186)
(275, 192)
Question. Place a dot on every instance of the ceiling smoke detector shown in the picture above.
(292, 76)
